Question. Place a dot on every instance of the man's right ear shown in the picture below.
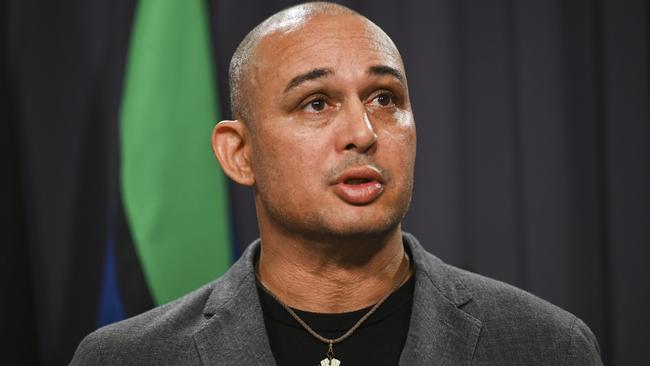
(231, 146)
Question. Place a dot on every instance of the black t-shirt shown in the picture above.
(379, 340)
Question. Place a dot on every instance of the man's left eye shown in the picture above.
(384, 99)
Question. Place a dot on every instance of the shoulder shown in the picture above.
(515, 327)
(166, 335)
(518, 325)
(143, 338)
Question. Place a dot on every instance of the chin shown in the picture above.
(360, 224)
(337, 221)
(365, 233)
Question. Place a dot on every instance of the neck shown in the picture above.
(331, 276)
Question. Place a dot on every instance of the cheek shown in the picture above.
(398, 132)
(292, 158)
(399, 144)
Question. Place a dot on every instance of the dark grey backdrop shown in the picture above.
(533, 153)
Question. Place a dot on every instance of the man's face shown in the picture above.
(333, 140)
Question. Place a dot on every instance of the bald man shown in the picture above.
(324, 134)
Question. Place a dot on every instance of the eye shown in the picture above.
(315, 105)
(384, 99)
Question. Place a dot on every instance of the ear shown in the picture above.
(231, 146)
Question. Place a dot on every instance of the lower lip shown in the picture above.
(359, 194)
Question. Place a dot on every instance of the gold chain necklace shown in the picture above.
(329, 360)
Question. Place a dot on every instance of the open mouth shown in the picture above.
(360, 185)
(356, 181)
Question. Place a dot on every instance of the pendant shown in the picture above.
(330, 362)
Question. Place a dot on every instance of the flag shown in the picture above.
(173, 195)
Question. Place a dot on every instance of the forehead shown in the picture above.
(340, 42)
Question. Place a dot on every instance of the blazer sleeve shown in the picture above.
(583, 347)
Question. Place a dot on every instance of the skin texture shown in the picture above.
(320, 251)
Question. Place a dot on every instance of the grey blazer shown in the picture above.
(458, 318)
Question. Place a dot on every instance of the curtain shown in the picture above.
(533, 162)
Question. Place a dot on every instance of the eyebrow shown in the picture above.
(319, 73)
(387, 70)
(309, 75)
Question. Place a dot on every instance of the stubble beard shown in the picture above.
(326, 225)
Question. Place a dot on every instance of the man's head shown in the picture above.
(245, 55)
(324, 130)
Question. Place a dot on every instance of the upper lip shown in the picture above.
(363, 172)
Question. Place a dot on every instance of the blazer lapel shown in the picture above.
(440, 333)
(234, 332)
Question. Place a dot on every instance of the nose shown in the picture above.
(357, 133)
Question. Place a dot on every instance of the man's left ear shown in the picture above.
(230, 144)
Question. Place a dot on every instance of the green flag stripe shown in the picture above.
(175, 196)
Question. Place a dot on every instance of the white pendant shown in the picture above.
(328, 362)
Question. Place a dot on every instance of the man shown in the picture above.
(325, 136)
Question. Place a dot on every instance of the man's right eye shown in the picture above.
(316, 105)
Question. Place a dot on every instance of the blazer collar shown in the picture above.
(440, 332)
(234, 333)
